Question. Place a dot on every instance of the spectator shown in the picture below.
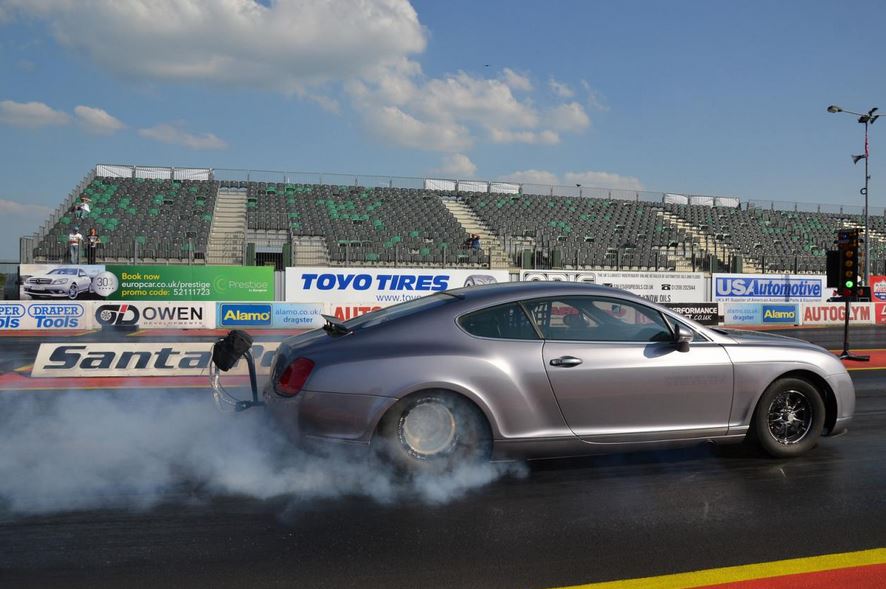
(470, 240)
(475, 242)
(92, 241)
(75, 238)
(82, 209)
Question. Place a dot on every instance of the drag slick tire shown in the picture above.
(432, 431)
(789, 418)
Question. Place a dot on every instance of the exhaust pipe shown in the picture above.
(226, 352)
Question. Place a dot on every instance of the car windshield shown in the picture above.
(64, 271)
(400, 310)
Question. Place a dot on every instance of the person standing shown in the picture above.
(75, 238)
(92, 241)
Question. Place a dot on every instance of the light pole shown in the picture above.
(867, 120)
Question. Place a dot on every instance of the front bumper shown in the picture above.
(327, 419)
(48, 291)
(844, 393)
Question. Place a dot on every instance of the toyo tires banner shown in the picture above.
(769, 288)
(379, 287)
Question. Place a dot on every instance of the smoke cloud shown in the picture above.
(84, 450)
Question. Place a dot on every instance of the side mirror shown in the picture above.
(682, 337)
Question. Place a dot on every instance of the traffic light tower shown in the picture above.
(847, 243)
(842, 273)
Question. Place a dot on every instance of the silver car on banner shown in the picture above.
(545, 369)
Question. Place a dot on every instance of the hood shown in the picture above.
(741, 336)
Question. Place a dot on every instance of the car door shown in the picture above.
(618, 376)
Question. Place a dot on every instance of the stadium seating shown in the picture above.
(376, 226)
(134, 216)
(171, 220)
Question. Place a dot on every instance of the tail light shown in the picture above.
(294, 376)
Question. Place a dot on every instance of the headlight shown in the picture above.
(60, 281)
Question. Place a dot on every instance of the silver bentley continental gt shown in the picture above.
(549, 369)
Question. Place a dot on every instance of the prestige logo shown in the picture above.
(240, 315)
(57, 316)
(10, 316)
(117, 315)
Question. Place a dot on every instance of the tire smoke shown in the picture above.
(80, 450)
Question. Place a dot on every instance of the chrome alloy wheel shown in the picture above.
(790, 417)
(428, 429)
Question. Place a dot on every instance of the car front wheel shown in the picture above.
(789, 418)
(434, 431)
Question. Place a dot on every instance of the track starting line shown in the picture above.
(865, 569)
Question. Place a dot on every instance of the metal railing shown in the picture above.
(126, 252)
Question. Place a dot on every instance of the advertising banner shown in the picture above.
(190, 283)
(153, 315)
(760, 288)
(379, 286)
(147, 283)
(270, 315)
(139, 359)
(658, 287)
(704, 313)
(58, 282)
(828, 313)
(787, 313)
(742, 314)
(49, 315)
(878, 289)
(880, 313)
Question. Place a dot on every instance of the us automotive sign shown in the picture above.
(769, 288)
(386, 286)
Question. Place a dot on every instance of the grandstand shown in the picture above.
(187, 215)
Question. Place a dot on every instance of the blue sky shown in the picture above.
(694, 97)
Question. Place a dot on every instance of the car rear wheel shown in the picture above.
(73, 292)
(433, 431)
(789, 418)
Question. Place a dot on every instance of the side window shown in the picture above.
(502, 322)
(598, 319)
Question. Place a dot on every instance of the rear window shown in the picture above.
(501, 322)
(401, 310)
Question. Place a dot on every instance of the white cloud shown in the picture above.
(444, 113)
(532, 177)
(569, 117)
(175, 135)
(20, 209)
(516, 81)
(456, 165)
(392, 124)
(603, 180)
(286, 45)
(595, 100)
(307, 48)
(546, 137)
(30, 114)
(588, 179)
(96, 120)
(560, 89)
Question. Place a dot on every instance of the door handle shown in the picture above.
(566, 361)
